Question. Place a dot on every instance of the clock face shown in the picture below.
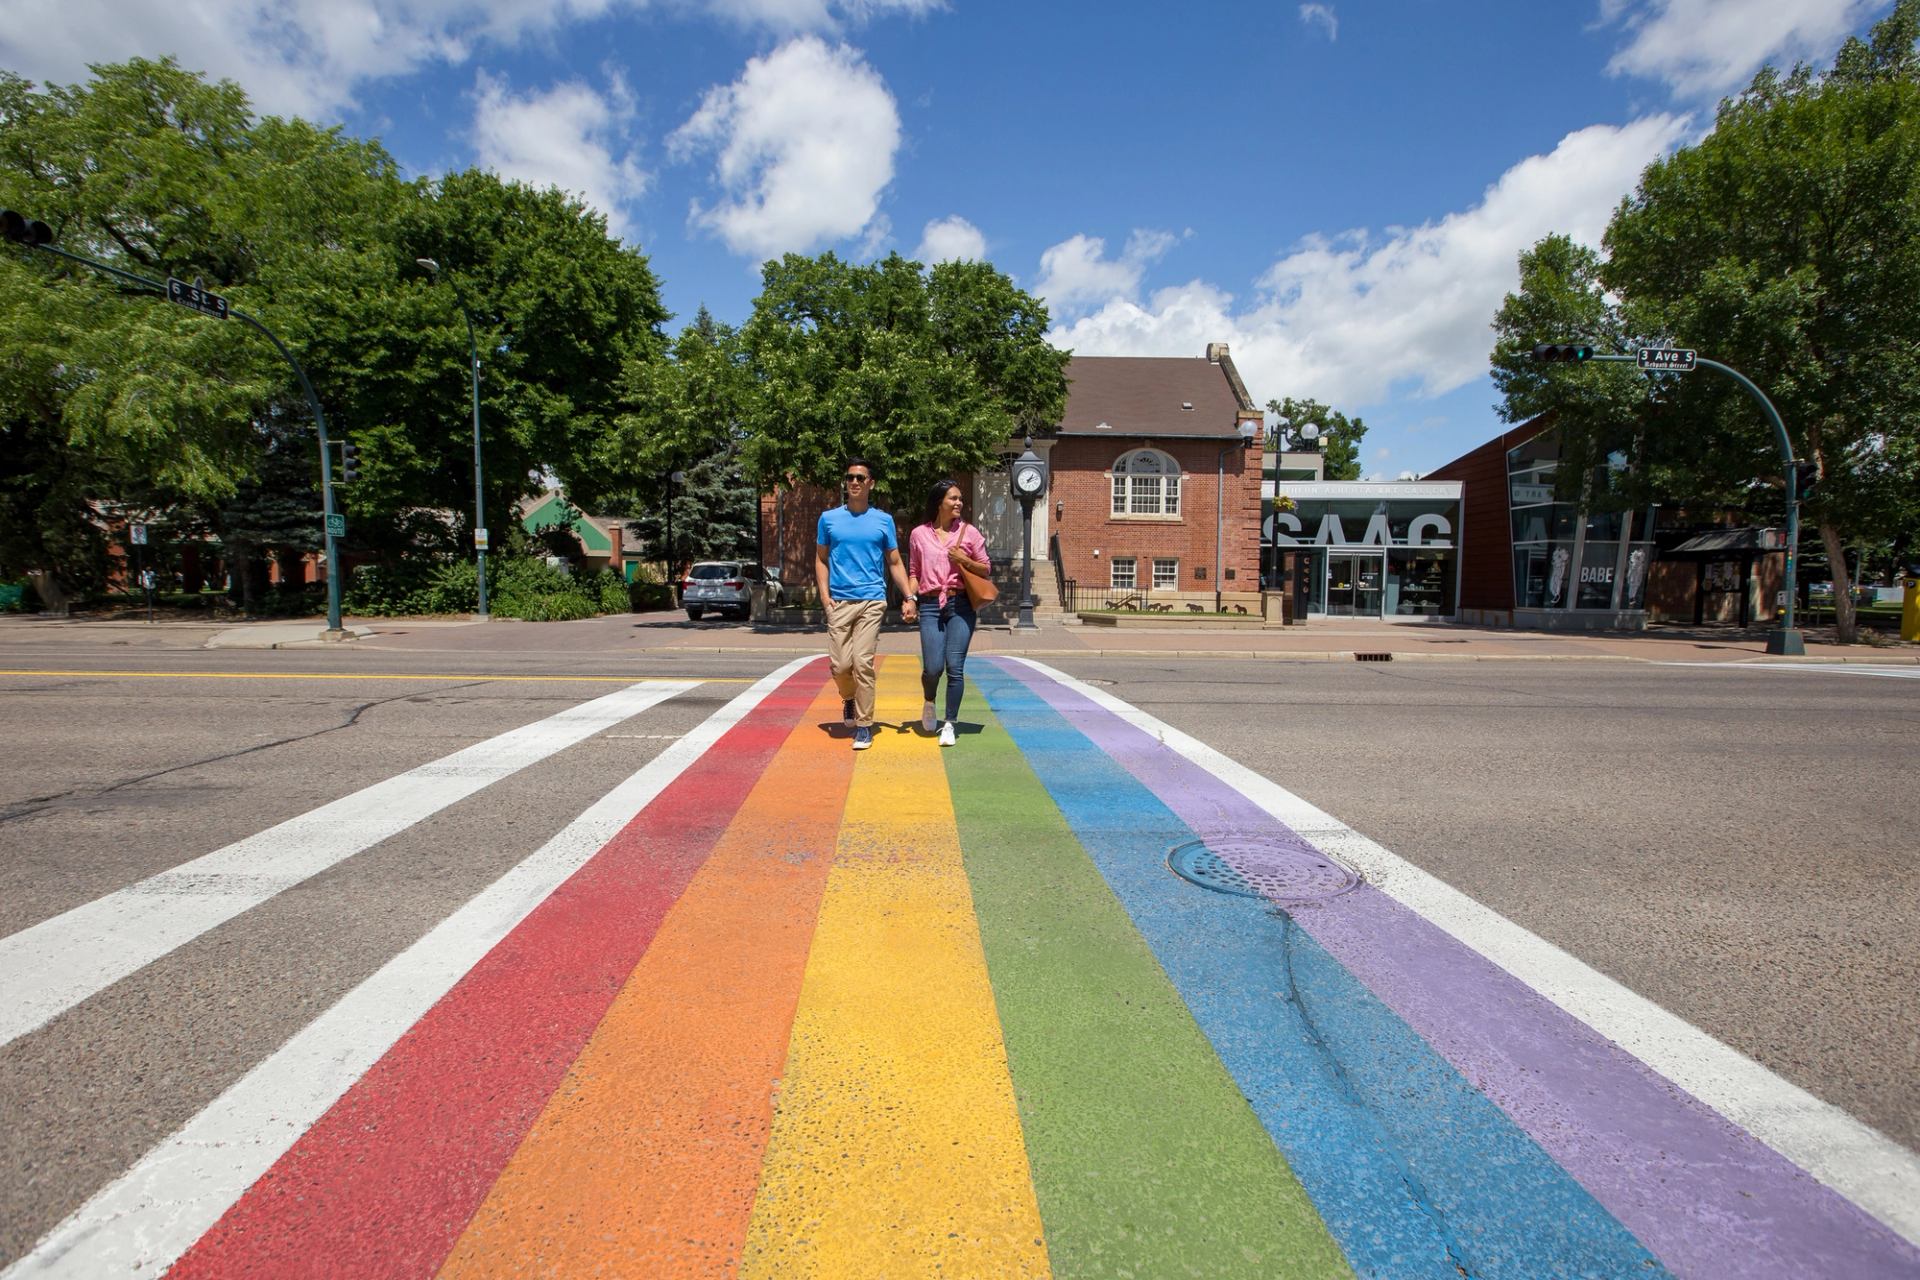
(1027, 479)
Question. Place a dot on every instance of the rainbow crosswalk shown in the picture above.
(918, 1012)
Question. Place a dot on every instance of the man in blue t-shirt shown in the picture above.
(856, 549)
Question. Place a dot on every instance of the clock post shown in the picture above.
(1029, 477)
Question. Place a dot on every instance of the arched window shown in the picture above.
(1146, 482)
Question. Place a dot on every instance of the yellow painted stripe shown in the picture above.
(333, 675)
(896, 1147)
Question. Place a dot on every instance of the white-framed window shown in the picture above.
(1166, 574)
(1146, 482)
(1125, 576)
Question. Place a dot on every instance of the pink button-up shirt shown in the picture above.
(928, 562)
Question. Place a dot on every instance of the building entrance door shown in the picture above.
(1354, 584)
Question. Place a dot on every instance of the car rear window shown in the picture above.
(713, 572)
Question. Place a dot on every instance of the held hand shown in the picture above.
(960, 561)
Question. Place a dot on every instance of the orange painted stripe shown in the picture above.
(646, 1158)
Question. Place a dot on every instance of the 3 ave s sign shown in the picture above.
(1667, 359)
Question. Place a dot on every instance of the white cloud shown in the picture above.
(310, 57)
(804, 143)
(1709, 47)
(1347, 319)
(1077, 271)
(817, 15)
(570, 137)
(1322, 16)
(303, 57)
(951, 239)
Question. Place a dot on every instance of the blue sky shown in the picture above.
(1337, 189)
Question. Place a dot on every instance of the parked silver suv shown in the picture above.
(728, 586)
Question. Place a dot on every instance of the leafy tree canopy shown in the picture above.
(112, 396)
(925, 372)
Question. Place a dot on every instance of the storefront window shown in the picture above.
(1419, 583)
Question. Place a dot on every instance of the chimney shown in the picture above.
(1216, 351)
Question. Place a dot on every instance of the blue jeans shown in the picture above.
(945, 632)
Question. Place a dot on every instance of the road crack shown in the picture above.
(37, 804)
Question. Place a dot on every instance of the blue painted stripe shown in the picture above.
(1415, 1171)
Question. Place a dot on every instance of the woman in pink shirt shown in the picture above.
(936, 551)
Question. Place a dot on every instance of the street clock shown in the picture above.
(1029, 476)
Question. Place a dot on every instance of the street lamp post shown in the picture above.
(479, 492)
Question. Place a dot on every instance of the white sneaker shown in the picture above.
(928, 720)
(946, 734)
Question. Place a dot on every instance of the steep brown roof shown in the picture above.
(1145, 395)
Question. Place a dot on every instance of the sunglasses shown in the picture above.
(850, 478)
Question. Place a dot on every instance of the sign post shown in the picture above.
(1667, 359)
(195, 298)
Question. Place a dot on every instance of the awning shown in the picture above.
(1731, 542)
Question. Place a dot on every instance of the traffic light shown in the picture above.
(1806, 478)
(349, 462)
(20, 229)
(1551, 352)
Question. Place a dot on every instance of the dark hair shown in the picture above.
(851, 463)
(938, 496)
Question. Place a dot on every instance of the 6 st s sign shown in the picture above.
(194, 298)
(1667, 359)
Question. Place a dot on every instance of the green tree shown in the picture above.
(116, 397)
(925, 372)
(1340, 435)
(113, 396)
(563, 315)
(686, 413)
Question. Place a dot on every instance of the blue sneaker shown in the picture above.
(863, 737)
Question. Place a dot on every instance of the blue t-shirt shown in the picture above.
(857, 547)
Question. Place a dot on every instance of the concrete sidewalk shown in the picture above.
(1319, 640)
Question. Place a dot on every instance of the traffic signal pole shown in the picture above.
(1785, 639)
(39, 240)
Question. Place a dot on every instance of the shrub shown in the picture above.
(412, 587)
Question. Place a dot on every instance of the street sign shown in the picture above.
(479, 539)
(137, 534)
(336, 526)
(194, 298)
(1667, 359)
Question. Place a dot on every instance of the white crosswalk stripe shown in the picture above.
(142, 1222)
(49, 967)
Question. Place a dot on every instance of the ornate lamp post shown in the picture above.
(1029, 478)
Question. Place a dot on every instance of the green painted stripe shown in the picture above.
(1146, 1159)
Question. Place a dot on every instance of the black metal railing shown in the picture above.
(1075, 598)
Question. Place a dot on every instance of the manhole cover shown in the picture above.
(1253, 868)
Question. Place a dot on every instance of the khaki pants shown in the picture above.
(853, 635)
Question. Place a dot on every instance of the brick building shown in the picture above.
(1151, 470)
(1155, 482)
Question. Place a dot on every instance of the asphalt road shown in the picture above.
(1735, 844)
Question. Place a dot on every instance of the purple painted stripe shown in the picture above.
(1701, 1193)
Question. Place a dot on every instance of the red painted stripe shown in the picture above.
(386, 1180)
